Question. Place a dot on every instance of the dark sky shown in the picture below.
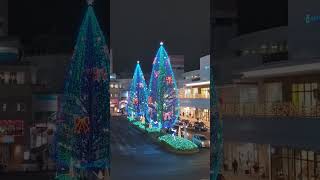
(257, 15)
(62, 18)
(138, 26)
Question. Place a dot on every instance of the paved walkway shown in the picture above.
(231, 176)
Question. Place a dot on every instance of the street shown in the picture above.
(31, 175)
(135, 156)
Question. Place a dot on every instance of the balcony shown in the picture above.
(194, 96)
(270, 109)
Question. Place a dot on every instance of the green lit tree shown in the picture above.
(83, 136)
(163, 98)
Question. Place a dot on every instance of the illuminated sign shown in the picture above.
(11, 127)
(311, 18)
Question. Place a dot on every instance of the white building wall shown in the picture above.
(205, 68)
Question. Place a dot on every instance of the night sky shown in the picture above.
(58, 19)
(258, 15)
(138, 26)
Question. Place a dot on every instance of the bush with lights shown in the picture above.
(178, 143)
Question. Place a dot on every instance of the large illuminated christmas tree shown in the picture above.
(216, 133)
(83, 136)
(138, 97)
(163, 93)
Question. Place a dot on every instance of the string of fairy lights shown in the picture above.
(82, 136)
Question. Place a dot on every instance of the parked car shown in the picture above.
(200, 126)
(186, 122)
(201, 141)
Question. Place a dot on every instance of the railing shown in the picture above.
(194, 96)
(270, 109)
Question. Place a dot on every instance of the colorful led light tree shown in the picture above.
(138, 97)
(83, 137)
(163, 93)
(216, 133)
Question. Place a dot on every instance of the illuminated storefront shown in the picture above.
(11, 141)
(195, 102)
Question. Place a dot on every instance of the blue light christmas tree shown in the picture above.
(138, 97)
(216, 133)
(163, 93)
(83, 137)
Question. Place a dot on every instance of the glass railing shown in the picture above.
(194, 96)
(270, 109)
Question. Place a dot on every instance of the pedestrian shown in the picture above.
(235, 167)
(221, 177)
(40, 162)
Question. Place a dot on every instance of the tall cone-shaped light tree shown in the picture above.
(216, 133)
(83, 136)
(138, 96)
(163, 93)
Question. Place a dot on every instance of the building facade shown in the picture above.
(16, 81)
(194, 93)
(267, 98)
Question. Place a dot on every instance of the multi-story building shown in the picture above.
(16, 81)
(3, 17)
(194, 93)
(268, 85)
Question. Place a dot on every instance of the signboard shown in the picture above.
(11, 127)
(7, 139)
(309, 18)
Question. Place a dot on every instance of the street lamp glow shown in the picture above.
(161, 43)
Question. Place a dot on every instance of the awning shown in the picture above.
(283, 70)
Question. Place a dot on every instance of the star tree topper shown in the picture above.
(90, 2)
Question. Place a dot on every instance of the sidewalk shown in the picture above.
(230, 176)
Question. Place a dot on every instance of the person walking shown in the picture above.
(235, 167)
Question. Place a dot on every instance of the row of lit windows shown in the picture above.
(195, 93)
(12, 78)
(265, 49)
(114, 95)
(116, 86)
(19, 107)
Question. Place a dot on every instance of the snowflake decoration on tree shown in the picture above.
(156, 74)
(135, 101)
(150, 100)
(141, 85)
(82, 125)
(169, 79)
(90, 2)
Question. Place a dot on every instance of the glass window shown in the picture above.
(20, 107)
(310, 155)
(13, 78)
(2, 79)
(304, 168)
(307, 87)
(4, 107)
(304, 155)
(20, 77)
(116, 86)
(301, 87)
(314, 86)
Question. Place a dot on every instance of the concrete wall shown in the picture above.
(291, 131)
(196, 103)
(4, 17)
(303, 36)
